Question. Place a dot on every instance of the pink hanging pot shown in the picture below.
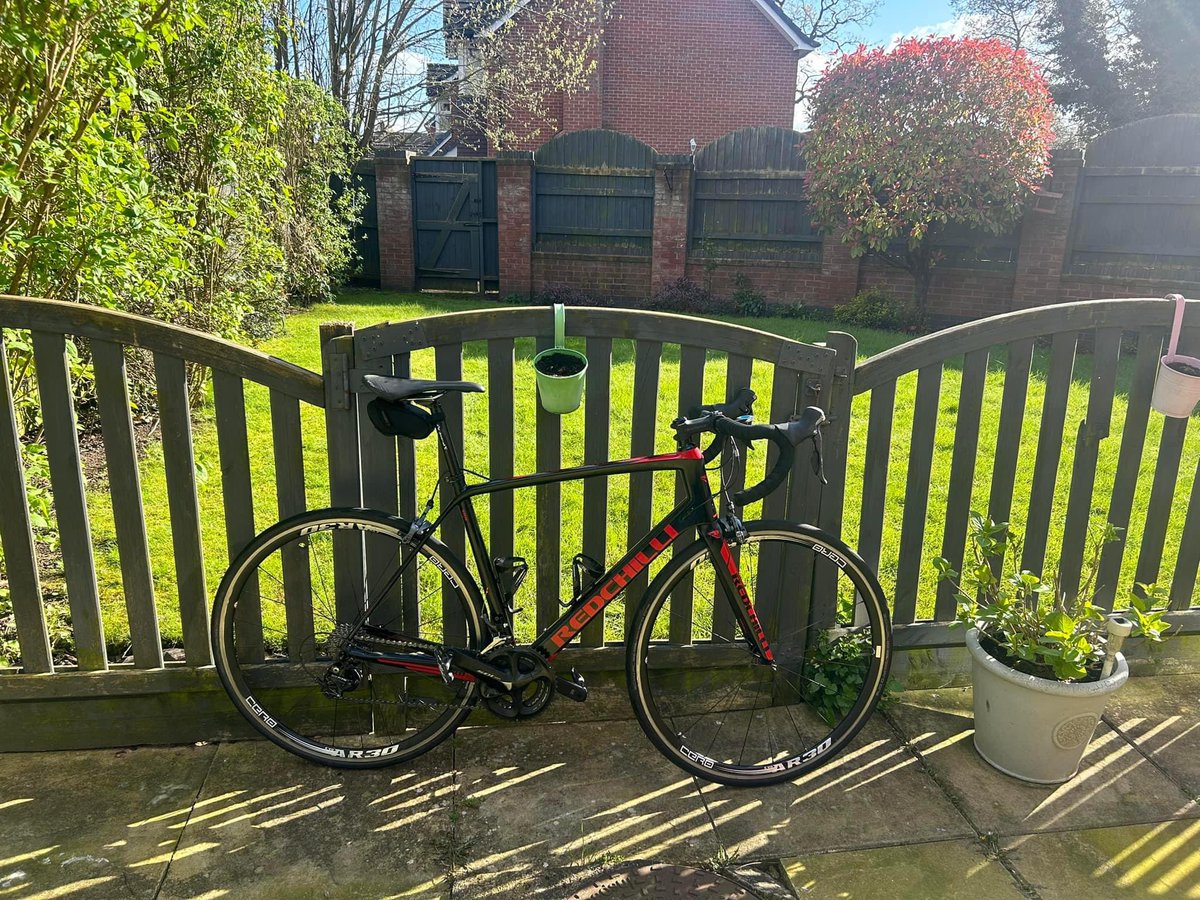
(1177, 388)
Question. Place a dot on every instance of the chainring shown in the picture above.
(526, 700)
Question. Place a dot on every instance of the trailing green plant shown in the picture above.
(1029, 622)
(874, 307)
(834, 671)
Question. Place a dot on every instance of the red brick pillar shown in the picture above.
(672, 204)
(393, 201)
(839, 270)
(514, 212)
(1044, 233)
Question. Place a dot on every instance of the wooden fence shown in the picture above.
(1138, 202)
(1098, 356)
(594, 192)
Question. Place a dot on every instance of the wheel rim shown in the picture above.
(712, 705)
(282, 662)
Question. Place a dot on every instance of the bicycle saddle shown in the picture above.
(389, 387)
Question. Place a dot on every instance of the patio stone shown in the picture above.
(269, 824)
(1131, 861)
(860, 798)
(546, 796)
(1162, 716)
(94, 823)
(944, 870)
(1115, 783)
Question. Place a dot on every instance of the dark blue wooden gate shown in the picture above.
(454, 209)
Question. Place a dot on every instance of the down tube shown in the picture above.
(733, 586)
(610, 585)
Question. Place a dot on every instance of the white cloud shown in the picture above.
(959, 26)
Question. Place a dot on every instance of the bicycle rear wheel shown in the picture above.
(711, 705)
(282, 620)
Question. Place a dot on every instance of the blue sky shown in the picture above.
(903, 16)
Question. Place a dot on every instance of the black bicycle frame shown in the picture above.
(697, 509)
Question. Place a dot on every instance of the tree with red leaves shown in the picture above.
(936, 132)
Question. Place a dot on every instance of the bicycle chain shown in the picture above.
(336, 643)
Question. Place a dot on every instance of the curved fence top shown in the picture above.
(391, 338)
(60, 317)
(1134, 314)
(596, 148)
(1163, 141)
(768, 148)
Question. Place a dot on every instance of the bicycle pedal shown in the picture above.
(573, 688)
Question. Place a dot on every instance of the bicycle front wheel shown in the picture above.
(283, 620)
(705, 698)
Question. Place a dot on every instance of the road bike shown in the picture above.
(356, 639)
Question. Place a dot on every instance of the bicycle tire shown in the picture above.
(771, 715)
(274, 661)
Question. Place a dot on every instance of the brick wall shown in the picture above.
(669, 72)
(393, 200)
(956, 293)
(627, 277)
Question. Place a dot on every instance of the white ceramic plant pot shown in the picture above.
(1035, 729)
(1176, 393)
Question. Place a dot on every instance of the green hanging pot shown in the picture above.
(560, 372)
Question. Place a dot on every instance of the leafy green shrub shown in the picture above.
(746, 300)
(876, 308)
(1028, 622)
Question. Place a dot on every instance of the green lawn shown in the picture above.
(299, 344)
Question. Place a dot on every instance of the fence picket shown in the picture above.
(772, 574)
(70, 498)
(548, 526)
(597, 413)
(1129, 462)
(647, 358)
(875, 472)
(1049, 450)
(691, 394)
(406, 464)
(962, 473)
(345, 473)
(125, 491)
(237, 493)
(448, 367)
(501, 440)
(1183, 579)
(916, 492)
(170, 375)
(1008, 436)
(739, 371)
(1092, 431)
(289, 492)
(1162, 492)
(380, 487)
(16, 538)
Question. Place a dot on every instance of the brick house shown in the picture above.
(670, 72)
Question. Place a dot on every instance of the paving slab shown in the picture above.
(945, 870)
(541, 797)
(1115, 784)
(855, 800)
(1126, 862)
(269, 824)
(94, 823)
(1162, 716)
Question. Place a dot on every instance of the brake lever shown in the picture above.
(818, 463)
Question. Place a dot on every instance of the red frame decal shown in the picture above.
(731, 565)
